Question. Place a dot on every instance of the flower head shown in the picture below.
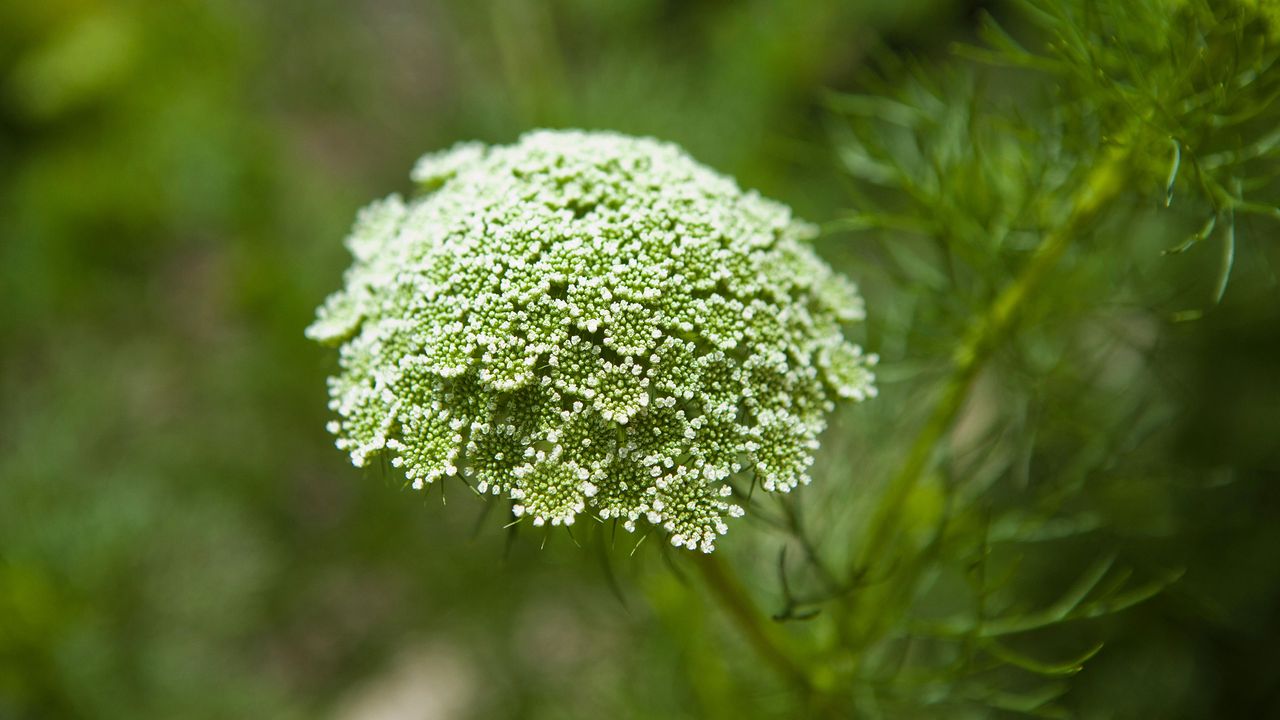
(590, 322)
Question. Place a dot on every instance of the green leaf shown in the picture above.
(1061, 668)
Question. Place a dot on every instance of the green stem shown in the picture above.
(763, 636)
(1103, 183)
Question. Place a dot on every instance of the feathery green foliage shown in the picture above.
(1011, 194)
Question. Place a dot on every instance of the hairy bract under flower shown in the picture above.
(585, 322)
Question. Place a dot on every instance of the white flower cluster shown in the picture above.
(589, 320)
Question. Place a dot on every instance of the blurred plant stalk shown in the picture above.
(881, 603)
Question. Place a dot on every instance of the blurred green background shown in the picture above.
(178, 537)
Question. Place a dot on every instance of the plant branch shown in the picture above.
(1100, 186)
(764, 637)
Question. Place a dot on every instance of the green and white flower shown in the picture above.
(585, 322)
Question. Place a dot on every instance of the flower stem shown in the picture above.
(764, 637)
(1099, 187)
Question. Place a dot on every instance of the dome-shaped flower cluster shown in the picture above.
(589, 322)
